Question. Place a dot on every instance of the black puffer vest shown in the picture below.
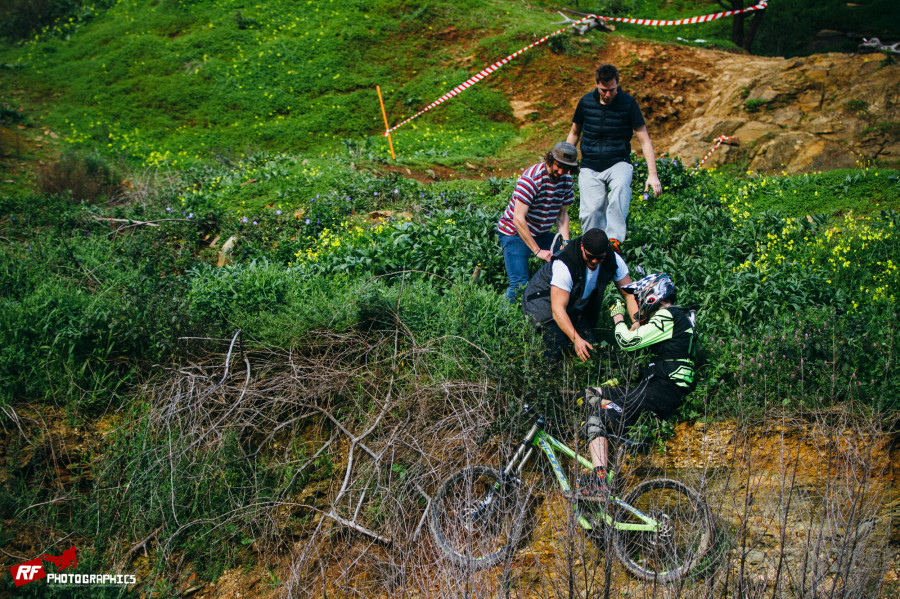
(606, 131)
(536, 299)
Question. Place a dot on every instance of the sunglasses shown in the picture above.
(593, 258)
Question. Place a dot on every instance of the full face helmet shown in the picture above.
(650, 291)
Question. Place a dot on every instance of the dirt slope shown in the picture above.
(802, 114)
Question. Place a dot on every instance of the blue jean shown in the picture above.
(604, 210)
(516, 255)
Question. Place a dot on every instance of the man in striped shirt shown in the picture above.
(542, 196)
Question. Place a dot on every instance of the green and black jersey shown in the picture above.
(671, 337)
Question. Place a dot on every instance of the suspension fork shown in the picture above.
(512, 470)
(523, 453)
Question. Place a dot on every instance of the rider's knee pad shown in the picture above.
(594, 427)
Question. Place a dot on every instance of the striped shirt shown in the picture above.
(544, 198)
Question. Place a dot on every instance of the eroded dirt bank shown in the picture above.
(803, 508)
(819, 112)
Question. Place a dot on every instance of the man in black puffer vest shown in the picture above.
(564, 296)
(605, 120)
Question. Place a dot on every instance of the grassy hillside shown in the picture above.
(170, 82)
(223, 172)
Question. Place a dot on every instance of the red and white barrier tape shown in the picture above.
(689, 21)
(481, 75)
(719, 141)
(487, 71)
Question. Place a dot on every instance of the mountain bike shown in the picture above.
(660, 530)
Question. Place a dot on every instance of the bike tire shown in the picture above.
(669, 554)
(475, 523)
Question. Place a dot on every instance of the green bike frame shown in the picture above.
(538, 438)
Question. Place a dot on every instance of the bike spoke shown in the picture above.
(476, 520)
(680, 538)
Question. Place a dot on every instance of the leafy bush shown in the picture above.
(81, 313)
(454, 245)
(673, 174)
(861, 190)
(216, 294)
(749, 270)
(19, 19)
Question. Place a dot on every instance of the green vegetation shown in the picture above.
(179, 82)
(225, 172)
(301, 234)
(797, 304)
(755, 104)
(856, 105)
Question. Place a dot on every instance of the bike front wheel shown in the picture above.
(683, 534)
(476, 518)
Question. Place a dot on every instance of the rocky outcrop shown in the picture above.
(798, 115)
(819, 112)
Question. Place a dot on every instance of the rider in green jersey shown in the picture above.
(668, 331)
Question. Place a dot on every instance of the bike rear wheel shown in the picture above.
(683, 538)
(476, 519)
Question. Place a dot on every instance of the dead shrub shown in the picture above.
(82, 177)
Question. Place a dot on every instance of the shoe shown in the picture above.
(614, 244)
(592, 488)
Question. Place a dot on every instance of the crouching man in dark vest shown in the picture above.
(564, 296)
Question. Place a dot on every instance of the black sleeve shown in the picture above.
(578, 119)
(637, 119)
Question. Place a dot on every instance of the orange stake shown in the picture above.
(386, 126)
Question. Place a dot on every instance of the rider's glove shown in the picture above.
(618, 308)
(589, 395)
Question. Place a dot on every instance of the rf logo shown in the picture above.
(28, 572)
(66, 560)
